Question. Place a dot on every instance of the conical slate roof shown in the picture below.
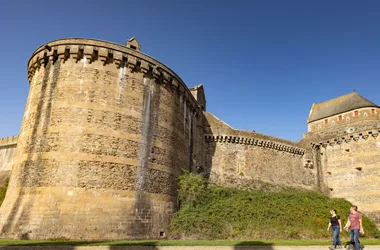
(338, 105)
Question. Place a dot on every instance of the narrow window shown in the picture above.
(326, 121)
(339, 118)
(356, 113)
(373, 111)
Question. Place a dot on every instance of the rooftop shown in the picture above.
(338, 105)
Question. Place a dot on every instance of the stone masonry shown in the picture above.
(343, 136)
(245, 159)
(107, 130)
(7, 150)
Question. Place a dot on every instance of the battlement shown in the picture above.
(102, 122)
(255, 142)
(242, 158)
(8, 141)
(105, 122)
(349, 166)
(91, 50)
(353, 137)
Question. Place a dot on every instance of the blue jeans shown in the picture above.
(354, 238)
(336, 240)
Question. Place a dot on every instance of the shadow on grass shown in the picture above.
(114, 245)
(150, 245)
(76, 243)
(253, 245)
(46, 243)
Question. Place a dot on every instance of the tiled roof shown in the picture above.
(338, 105)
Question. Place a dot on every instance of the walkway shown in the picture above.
(173, 248)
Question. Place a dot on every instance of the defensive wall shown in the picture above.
(243, 159)
(7, 151)
(107, 130)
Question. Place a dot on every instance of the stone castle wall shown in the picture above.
(7, 150)
(350, 166)
(245, 159)
(106, 132)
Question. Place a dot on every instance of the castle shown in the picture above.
(107, 130)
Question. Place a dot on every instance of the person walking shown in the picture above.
(336, 225)
(355, 224)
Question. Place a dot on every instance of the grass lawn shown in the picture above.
(178, 243)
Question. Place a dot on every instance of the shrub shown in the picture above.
(191, 188)
(213, 212)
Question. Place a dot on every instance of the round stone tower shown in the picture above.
(106, 132)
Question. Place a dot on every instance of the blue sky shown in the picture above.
(263, 63)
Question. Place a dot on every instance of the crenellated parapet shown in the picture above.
(105, 126)
(90, 50)
(248, 160)
(8, 141)
(255, 142)
(349, 138)
(348, 167)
